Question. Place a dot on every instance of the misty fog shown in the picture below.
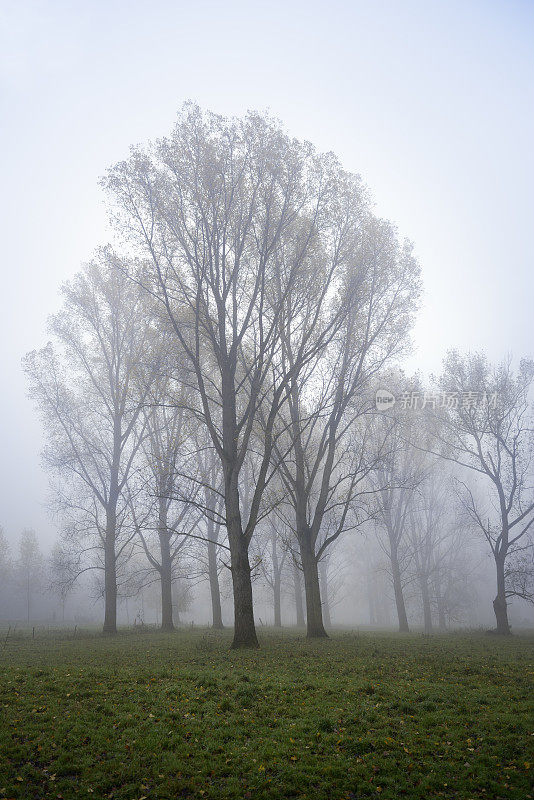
(267, 408)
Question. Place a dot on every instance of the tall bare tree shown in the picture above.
(395, 482)
(331, 449)
(271, 557)
(229, 218)
(488, 427)
(91, 386)
(432, 527)
(157, 503)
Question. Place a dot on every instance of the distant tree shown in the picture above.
(158, 505)
(271, 555)
(488, 427)
(91, 386)
(455, 578)
(395, 482)
(29, 567)
(6, 567)
(63, 569)
(432, 532)
(211, 483)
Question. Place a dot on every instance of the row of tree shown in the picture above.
(212, 380)
(23, 575)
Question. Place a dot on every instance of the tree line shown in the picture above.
(209, 392)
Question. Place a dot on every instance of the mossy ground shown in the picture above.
(180, 715)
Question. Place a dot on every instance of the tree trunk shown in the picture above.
(397, 588)
(298, 596)
(167, 623)
(276, 582)
(165, 573)
(110, 556)
(215, 592)
(442, 620)
(323, 573)
(176, 602)
(427, 611)
(110, 571)
(371, 598)
(244, 627)
(500, 606)
(277, 602)
(314, 614)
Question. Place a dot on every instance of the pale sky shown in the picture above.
(432, 102)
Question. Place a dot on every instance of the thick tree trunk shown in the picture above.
(110, 572)
(244, 627)
(314, 614)
(297, 588)
(500, 605)
(427, 611)
(397, 588)
(323, 572)
(215, 592)
(167, 623)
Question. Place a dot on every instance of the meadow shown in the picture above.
(360, 715)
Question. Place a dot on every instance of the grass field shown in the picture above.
(179, 715)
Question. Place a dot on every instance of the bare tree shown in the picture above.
(62, 573)
(272, 556)
(156, 504)
(91, 389)
(329, 401)
(454, 577)
(395, 481)
(228, 217)
(325, 589)
(210, 473)
(431, 533)
(29, 568)
(489, 429)
(6, 567)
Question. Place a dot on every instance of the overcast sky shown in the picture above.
(431, 102)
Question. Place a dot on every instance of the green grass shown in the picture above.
(180, 716)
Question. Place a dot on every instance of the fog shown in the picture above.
(267, 406)
(431, 105)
